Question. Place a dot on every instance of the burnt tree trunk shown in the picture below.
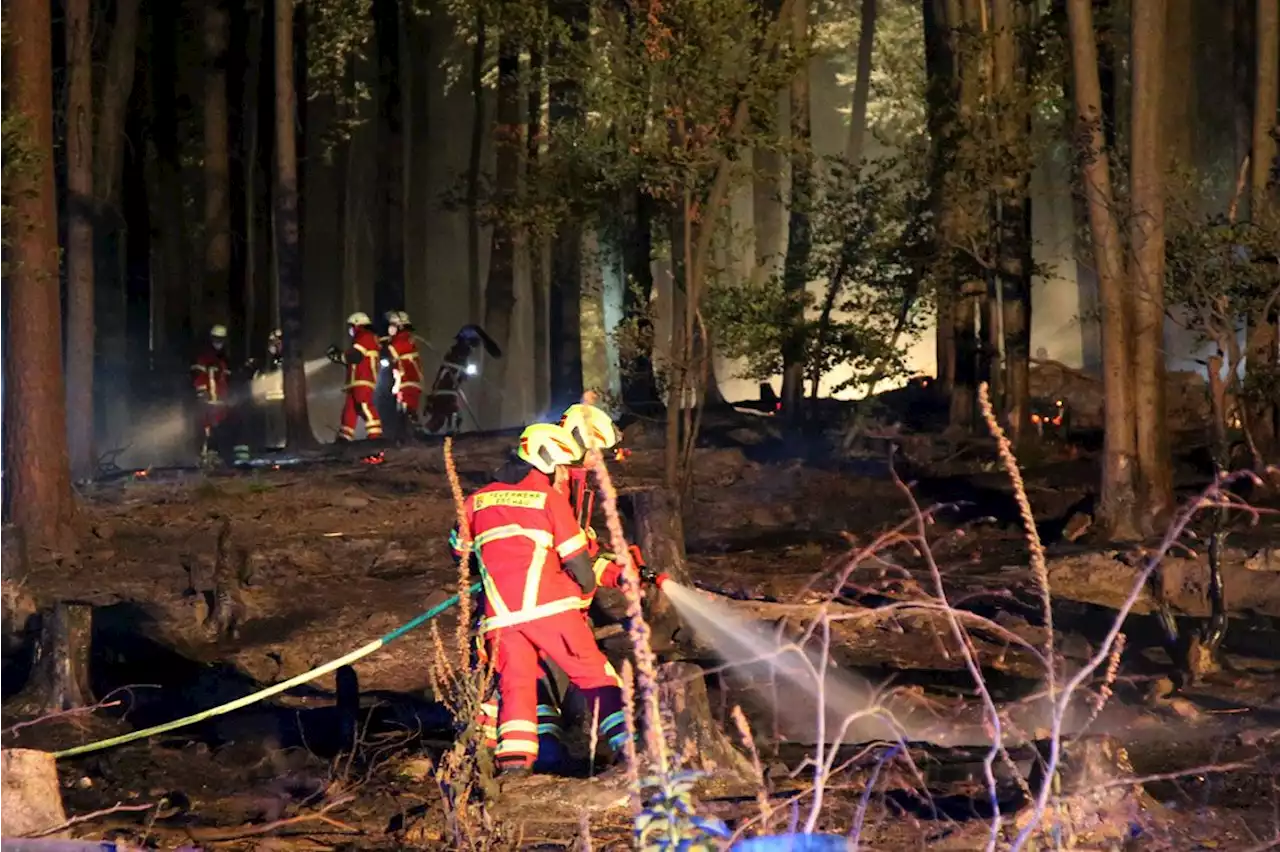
(688, 726)
(60, 670)
(799, 237)
(389, 286)
(32, 800)
(215, 304)
(500, 292)
(288, 256)
(565, 316)
(659, 531)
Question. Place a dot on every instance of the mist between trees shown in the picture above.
(659, 200)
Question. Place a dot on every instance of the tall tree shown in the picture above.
(941, 76)
(1147, 243)
(475, 164)
(1117, 501)
(1262, 413)
(298, 431)
(566, 115)
(1011, 78)
(80, 337)
(389, 285)
(861, 84)
(799, 237)
(38, 474)
(538, 271)
(214, 307)
(500, 294)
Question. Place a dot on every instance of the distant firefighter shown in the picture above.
(446, 400)
(211, 380)
(406, 365)
(268, 384)
(361, 361)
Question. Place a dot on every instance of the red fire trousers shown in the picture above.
(360, 404)
(566, 639)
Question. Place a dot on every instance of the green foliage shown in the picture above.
(870, 233)
(338, 33)
(668, 820)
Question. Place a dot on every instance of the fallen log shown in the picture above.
(1251, 582)
(692, 735)
(31, 798)
(907, 636)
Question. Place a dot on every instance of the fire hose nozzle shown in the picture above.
(655, 578)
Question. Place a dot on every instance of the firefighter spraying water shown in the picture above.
(211, 381)
(538, 580)
(361, 360)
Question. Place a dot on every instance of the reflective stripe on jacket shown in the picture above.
(364, 372)
(523, 534)
(404, 357)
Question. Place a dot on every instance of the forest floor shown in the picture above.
(339, 552)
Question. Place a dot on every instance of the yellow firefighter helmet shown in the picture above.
(547, 446)
(591, 427)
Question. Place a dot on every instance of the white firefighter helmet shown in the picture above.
(276, 334)
(591, 427)
(402, 318)
(218, 332)
(547, 446)
(359, 318)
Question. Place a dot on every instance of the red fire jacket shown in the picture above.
(404, 355)
(532, 553)
(362, 361)
(210, 376)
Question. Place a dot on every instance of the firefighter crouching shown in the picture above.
(406, 365)
(538, 580)
(211, 380)
(361, 361)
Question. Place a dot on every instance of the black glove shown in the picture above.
(334, 354)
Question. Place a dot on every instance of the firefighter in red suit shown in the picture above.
(538, 580)
(211, 379)
(361, 361)
(403, 349)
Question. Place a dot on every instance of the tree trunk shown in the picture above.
(941, 78)
(1262, 415)
(538, 270)
(861, 85)
(257, 310)
(172, 326)
(80, 360)
(566, 112)
(60, 670)
(1013, 271)
(1146, 241)
(766, 205)
(799, 238)
(38, 475)
(475, 165)
(500, 295)
(688, 726)
(215, 305)
(639, 384)
(388, 292)
(659, 532)
(298, 432)
(32, 794)
(1117, 502)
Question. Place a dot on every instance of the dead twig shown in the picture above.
(117, 808)
(213, 835)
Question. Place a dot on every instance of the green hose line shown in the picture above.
(275, 689)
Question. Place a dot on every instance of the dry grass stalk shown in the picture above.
(1039, 568)
(646, 660)
(462, 638)
(629, 747)
(749, 741)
